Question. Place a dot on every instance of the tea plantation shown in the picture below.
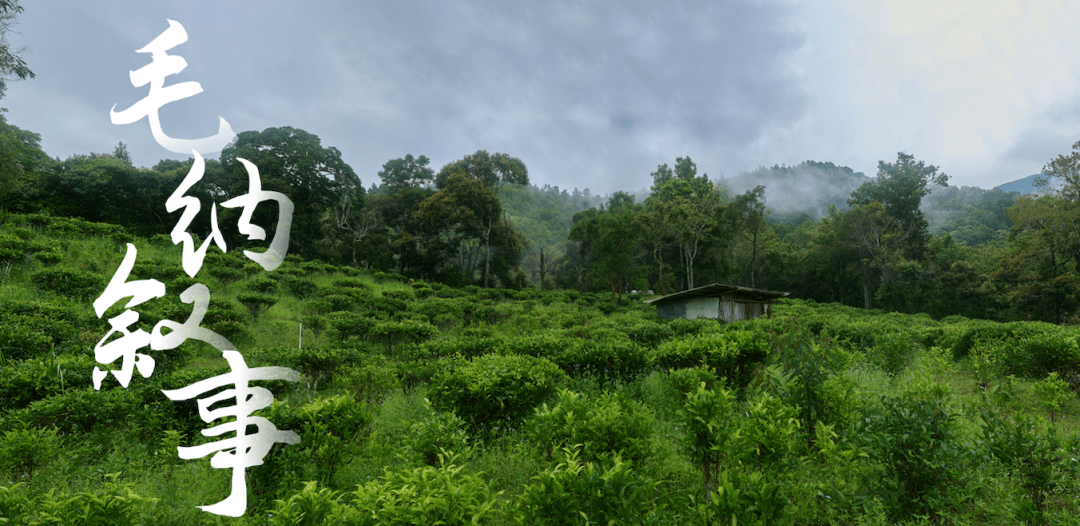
(423, 404)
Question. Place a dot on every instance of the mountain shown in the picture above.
(1026, 185)
(807, 187)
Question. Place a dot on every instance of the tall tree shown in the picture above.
(407, 172)
(293, 162)
(22, 165)
(608, 238)
(12, 66)
(490, 170)
(900, 186)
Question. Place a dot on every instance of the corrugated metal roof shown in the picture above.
(717, 289)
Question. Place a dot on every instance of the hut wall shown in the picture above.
(671, 309)
(702, 308)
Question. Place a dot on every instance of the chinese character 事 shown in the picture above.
(247, 450)
(162, 65)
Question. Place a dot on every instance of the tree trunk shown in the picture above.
(543, 268)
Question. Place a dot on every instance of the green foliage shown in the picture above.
(395, 333)
(439, 433)
(495, 390)
(711, 431)
(70, 283)
(744, 499)
(426, 495)
(1035, 457)
(601, 426)
(347, 326)
(255, 303)
(308, 507)
(733, 355)
(1053, 393)
(607, 491)
(923, 464)
(262, 285)
(330, 430)
(806, 365)
(23, 452)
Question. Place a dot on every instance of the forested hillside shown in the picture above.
(902, 240)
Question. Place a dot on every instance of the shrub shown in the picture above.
(649, 334)
(494, 389)
(262, 285)
(1053, 392)
(346, 326)
(73, 284)
(426, 495)
(464, 347)
(608, 358)
(438, 433)
(256, 303)
(308, 507)
(330, 430)
(609, 424)
(577, 492)
(369, 381)
(734, 356)
(394, 333)
(25, 451)
(743, 499)
(299, 287)
(921, 458)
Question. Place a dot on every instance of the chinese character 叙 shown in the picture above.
(139, 291)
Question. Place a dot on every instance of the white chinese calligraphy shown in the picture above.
(162, 65)
(243, 450)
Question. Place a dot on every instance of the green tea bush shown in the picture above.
(575, 492)
(255, 303)
(368, 381)
(396, 333)
(38, 378)
(686, 380)
(111, 505)
(649, 334)
(81, 410)
(495, 389)
(426, 495)
(544, 344)
(73, 284)
(311, 506)
(300, 288)
(317, 363)
(348, 326)
(923, 465)
(607, 424)
(1039, 355)
(333, 303)
(603, 359)
(24, 452)
(438, 433)
(262, 285)
(743, 498)
(770, 431)
(734, 356)
(330, 431)
(1053, 393)
(224, 274)
(711, 431)
(464, 347)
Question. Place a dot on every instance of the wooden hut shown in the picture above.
(717, 301)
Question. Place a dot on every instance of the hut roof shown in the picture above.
(717, 289)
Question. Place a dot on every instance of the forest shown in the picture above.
(901, 241)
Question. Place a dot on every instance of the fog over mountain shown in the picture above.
(807, 187)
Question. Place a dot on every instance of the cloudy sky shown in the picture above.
(588, 94)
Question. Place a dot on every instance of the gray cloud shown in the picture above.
(587, 94)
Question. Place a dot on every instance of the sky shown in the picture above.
(588, 94)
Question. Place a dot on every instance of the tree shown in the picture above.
(121, 152)
(608, 239)
(12, 66)
(490, 170)
(407, 172)
(293, 162)
(22, 166)
(473, 209)
(900, 186)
